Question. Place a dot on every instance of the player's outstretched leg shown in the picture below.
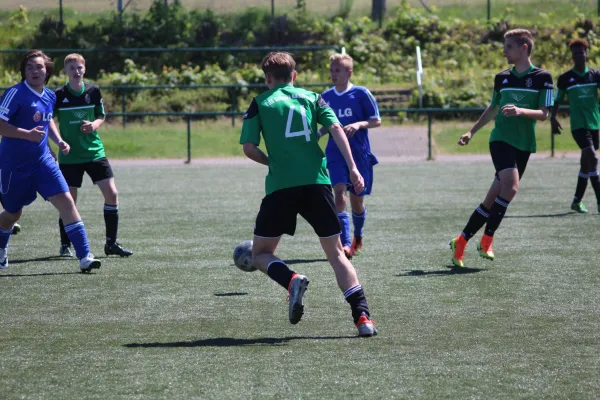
(592, 163)
(582, 181)
(65, 242)
(7, 222)
(347, 280)
(264, 260)
(75, 230)
(459, 243)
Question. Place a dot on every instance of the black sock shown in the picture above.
(477, 220)
(355, 296)
(595, 181)
(64, 238)
(280, 273)
(497, 212)
(582, 181)
(111, 219)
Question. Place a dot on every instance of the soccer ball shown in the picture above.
(242, 256)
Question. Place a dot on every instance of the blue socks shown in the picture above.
(359, 221)
(78, 236)
(5, 237)
(344, 218)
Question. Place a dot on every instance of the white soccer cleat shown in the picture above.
(298, 286)
(87, 263)
(3, 258)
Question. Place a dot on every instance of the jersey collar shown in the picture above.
(581, 73)
(74, 93)
(33, 90)
(350, 86)
(522, 74)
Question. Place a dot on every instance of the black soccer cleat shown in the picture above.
(117, 250)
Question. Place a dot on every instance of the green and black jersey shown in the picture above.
(582, 91)
(288, 118)
(531, 89)
(71, 109)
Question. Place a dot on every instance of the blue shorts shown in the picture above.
(19, 186)
(338, 172)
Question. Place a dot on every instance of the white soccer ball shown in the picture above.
(242, 256)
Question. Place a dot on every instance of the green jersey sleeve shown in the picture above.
(251, 127)
(546, 98)
(99, 105)
(495, 99)
(325, 115)
(560, 96)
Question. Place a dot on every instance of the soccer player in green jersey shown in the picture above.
(581, 86)
(80, 111)
(522, 95)
(297, 183)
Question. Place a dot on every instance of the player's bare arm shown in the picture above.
(339, 136)
(255, 154)
(54, 135)
(351, 129)
(33, 135)
(556, 126)
(488, 115)
(91, 126)
(510, 110)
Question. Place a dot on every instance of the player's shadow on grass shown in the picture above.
(304, 261)
(49, 258)
(451, 270)
(40, 274)
(564, 214)
(231, 294)
(234, 342)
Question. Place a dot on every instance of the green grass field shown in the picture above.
(177, 320)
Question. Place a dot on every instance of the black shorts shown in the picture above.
(505, 156)
(279, 210)
(586, 138)
(98, 170)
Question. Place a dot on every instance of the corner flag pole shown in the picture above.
(420, 76)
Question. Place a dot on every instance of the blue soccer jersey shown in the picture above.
(23, 107)
(354, 105)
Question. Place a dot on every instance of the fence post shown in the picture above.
(429, 150)
(123, 107)
(189, 140)
(233, 105)
(489, 9)
(552, 142)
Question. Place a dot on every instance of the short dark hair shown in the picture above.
(47, 63)
(579, 42)
(522, 36)
(280, 65)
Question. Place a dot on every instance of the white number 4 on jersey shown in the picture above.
(305, 132)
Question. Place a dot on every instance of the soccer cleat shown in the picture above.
(579, 207)
(86, 264)
(485, 247)
(357, 246)
(458, 245)
(16, 229)
(366, 327)
(65, 250)
(3, 258)
(116, 249)
(298, 286)
(347, 252)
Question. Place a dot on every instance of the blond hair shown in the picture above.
(343, 59)
(280, 65)
(74, 57)
(522, 36)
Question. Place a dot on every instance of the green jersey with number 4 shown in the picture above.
(287, 117)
